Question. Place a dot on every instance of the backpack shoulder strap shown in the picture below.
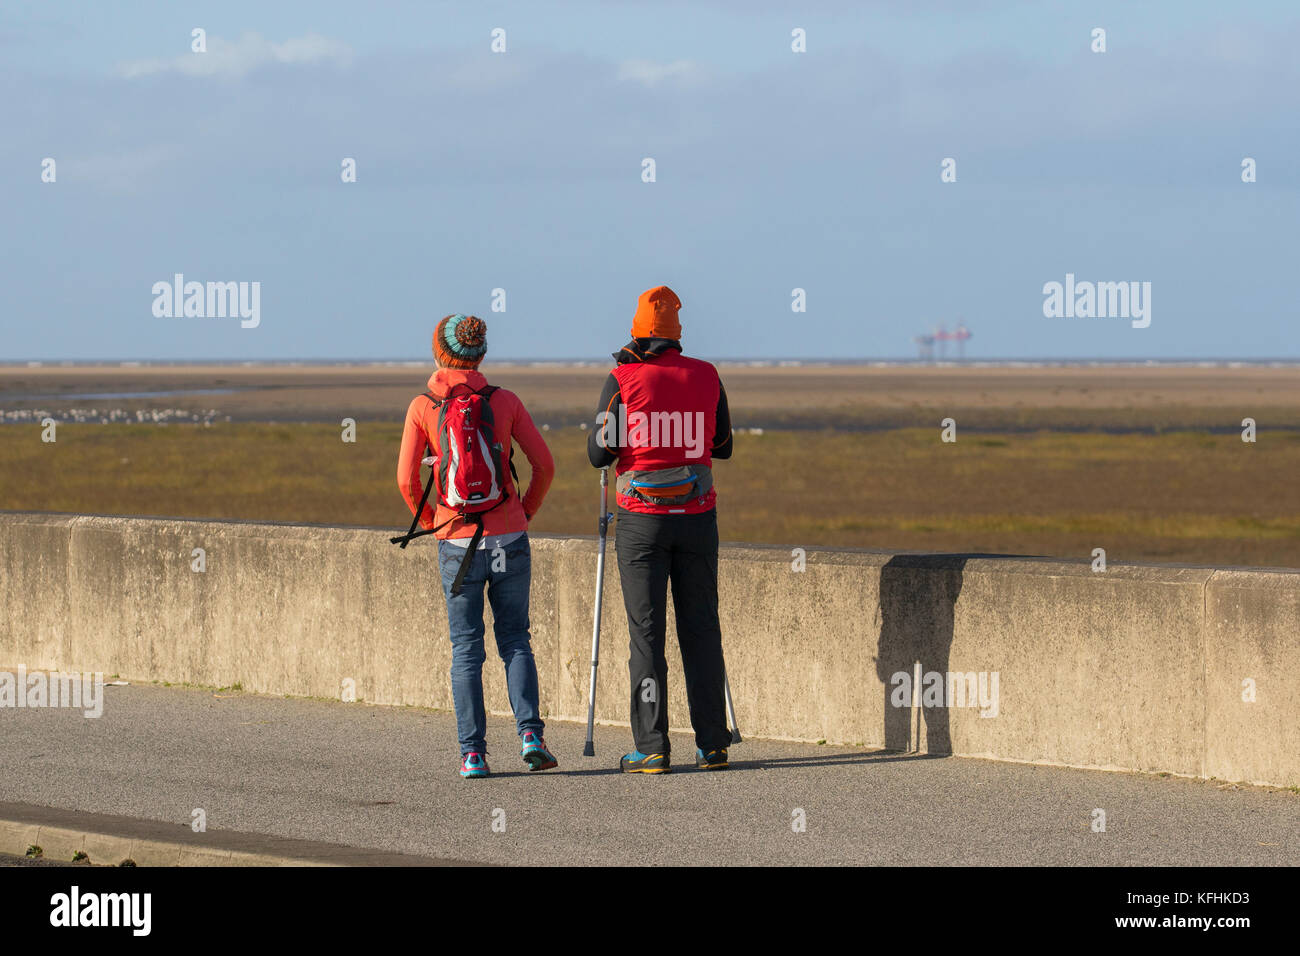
(436, 403)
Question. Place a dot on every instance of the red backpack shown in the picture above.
(467, 469)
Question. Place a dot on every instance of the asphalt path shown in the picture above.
(385, 778)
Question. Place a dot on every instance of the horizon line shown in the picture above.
(577, 360)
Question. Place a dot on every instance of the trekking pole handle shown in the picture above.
(605, 514)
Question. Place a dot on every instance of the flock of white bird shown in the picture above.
(152, 416)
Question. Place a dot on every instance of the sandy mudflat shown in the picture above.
(842, 396)
(1146, 462)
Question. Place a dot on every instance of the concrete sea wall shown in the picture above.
(1188, 670)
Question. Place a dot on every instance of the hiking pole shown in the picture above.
(731, 708)
(589, 748)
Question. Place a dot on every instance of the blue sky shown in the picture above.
(522, 171)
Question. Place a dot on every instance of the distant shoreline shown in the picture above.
(845, 396)
(721, 362)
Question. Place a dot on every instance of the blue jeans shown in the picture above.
(507, 572)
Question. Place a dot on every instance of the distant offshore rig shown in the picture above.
(937, 341)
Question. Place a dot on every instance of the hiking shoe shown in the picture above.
(473, 765)
(637, 762)
(535, 753)
(713, 760)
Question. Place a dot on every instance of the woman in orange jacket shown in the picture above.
(501, 562)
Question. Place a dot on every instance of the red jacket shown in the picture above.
(511, 422)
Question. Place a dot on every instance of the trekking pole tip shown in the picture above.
(589, 749)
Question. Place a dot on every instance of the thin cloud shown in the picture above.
(652, 73)
(241, 57)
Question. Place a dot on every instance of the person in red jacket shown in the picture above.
(502, 562)
(663, 418)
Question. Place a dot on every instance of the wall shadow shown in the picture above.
(918, 593)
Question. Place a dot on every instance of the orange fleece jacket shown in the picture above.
(511, 422)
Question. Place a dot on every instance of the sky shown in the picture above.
(522, 170)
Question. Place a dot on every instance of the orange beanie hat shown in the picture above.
(656, 315)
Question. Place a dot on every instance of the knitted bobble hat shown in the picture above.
(460, 341)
